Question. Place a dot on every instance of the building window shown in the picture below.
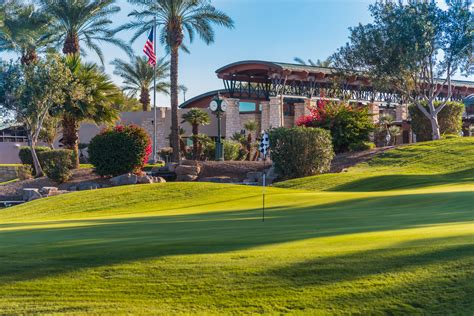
(247, 107)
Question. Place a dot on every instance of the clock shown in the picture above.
(213, 105)
(223, 106)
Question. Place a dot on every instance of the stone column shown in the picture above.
(232, 118)
(265, 117)
(401, 112)
(275, 112)
(375, 111)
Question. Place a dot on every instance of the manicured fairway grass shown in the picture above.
(202, 248)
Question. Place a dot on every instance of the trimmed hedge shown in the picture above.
(119, 150)
(301, 151)
(57, 164)
(25, 154)
(449, 119)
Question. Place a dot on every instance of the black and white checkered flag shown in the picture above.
(264, 144)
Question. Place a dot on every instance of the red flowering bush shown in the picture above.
(118, 150)
(349, 126)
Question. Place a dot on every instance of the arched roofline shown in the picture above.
(195, 99)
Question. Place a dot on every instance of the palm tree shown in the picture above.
(175, 18)
(196, 117)
(319, 63)
(21, 30)
(250, 126)
(82, 21)
(138, 78)
(96, 102)
(184, 90)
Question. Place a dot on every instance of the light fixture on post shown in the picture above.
(218, 106)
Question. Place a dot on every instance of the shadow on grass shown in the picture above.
(401, 181)
(32, 253)
(374, 270)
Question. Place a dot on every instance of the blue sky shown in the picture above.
(274, 30)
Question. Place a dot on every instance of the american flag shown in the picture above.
(149, 50)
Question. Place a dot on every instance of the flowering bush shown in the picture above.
(348, 125)
(118, 150)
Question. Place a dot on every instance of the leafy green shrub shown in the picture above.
(450, 136)
(25, 154)
(120, 150)
(24, 172)
(57, 164)
(347, 124)
(232, 150)
(449, 119)
(361, 146)
(301, 151)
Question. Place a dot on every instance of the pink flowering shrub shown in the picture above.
(120, 149)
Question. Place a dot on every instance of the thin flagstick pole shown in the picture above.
(263, 189)
(154, 94)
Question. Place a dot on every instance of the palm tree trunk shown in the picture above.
(174, 104)
(249, 147)
(195, 141)
(71, 44)
(145, 99)
(29, 56)
(71, 137)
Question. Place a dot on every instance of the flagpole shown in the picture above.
(154, 94)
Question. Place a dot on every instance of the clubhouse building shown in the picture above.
(274, 95)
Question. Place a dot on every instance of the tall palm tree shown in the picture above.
(96, 101)
(21, 30)
(138, 78)
(319, 63)
(175, 19)
(82, 21)
(196, 117)
(184, 90)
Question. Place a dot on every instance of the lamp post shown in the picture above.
(218, 106)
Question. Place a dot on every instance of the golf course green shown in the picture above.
(391, 236)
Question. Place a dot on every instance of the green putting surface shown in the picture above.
(202, 248)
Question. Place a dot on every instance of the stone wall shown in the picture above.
(8, 173)
(275, 112)
(232, 117)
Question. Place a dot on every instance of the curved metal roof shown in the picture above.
(200, 96)
(469, 100)
(260, 68)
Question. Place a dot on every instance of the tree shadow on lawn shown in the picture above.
(401, 181)
(374, 284)
(34, 253)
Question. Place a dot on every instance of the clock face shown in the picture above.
(223, 106)
(213, 105)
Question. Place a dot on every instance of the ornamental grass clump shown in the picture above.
(301, 151)
(119, 150)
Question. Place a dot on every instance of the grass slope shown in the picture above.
(180, 248)
(417, 165)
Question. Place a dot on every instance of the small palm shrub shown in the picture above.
(120, 150)
(57, 164)
(300, 151)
